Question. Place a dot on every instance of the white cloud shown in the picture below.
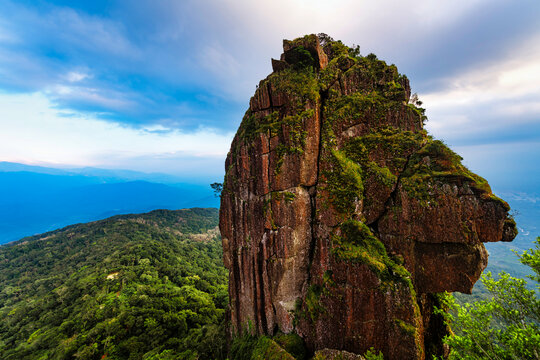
(503, 93)
(219, 61)
(76, 76)
(521, 196)
(179, 42)
(91, 33)
(34, 131)
(504, 78)
(250, 32)
(520, 108)
(387, 23)
(104, 98)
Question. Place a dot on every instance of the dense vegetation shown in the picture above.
(148, 286)
(504, 326)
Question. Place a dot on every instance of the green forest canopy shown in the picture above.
(149, 286)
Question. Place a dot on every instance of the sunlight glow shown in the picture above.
(34, 130)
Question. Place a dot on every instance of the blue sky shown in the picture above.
(161, 86)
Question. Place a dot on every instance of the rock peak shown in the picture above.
(302, 52)
(341, 218)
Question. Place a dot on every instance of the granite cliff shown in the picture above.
(341, 218)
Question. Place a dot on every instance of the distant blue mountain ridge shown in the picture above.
(37, 199)
(104, 175)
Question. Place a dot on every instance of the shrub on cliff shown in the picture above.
(506, 326)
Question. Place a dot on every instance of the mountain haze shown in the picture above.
(38, 199)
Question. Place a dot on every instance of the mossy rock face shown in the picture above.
(281, 347)
(293, 344)
(331, 354)
(268, 349)
(356, 243)
(350, 207)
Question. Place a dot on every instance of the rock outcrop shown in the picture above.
(341, 218)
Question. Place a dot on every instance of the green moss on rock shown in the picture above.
(409, 329)
(300, 58)
(420, 112)
(248, 347)
(335, 68)
(268, 349)
(356, 243)
(311, 306)
(293, 344)
(300, 85)
(396, 143)
(289, 196)
(312, 302)
(377, 75)
(344, 183)
(359, 105)
(436, 164)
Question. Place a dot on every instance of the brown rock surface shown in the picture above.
(332, 354)
(341, 218)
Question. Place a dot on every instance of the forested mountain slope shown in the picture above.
(147, 286)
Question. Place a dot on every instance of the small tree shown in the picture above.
(218, 188)
(415, 100)
(324, 39)
(506, 326)
(354, 51)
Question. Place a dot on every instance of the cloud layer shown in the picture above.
(38, 131)
(184, 70)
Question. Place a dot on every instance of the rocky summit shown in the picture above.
(341, 218)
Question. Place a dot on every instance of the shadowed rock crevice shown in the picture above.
(374, 224)
(313, 224)
(341, 218)
(313, 190)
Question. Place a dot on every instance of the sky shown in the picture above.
(161, 86)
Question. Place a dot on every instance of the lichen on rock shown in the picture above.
(341, 217)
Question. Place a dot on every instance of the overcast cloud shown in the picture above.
(158, 85)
